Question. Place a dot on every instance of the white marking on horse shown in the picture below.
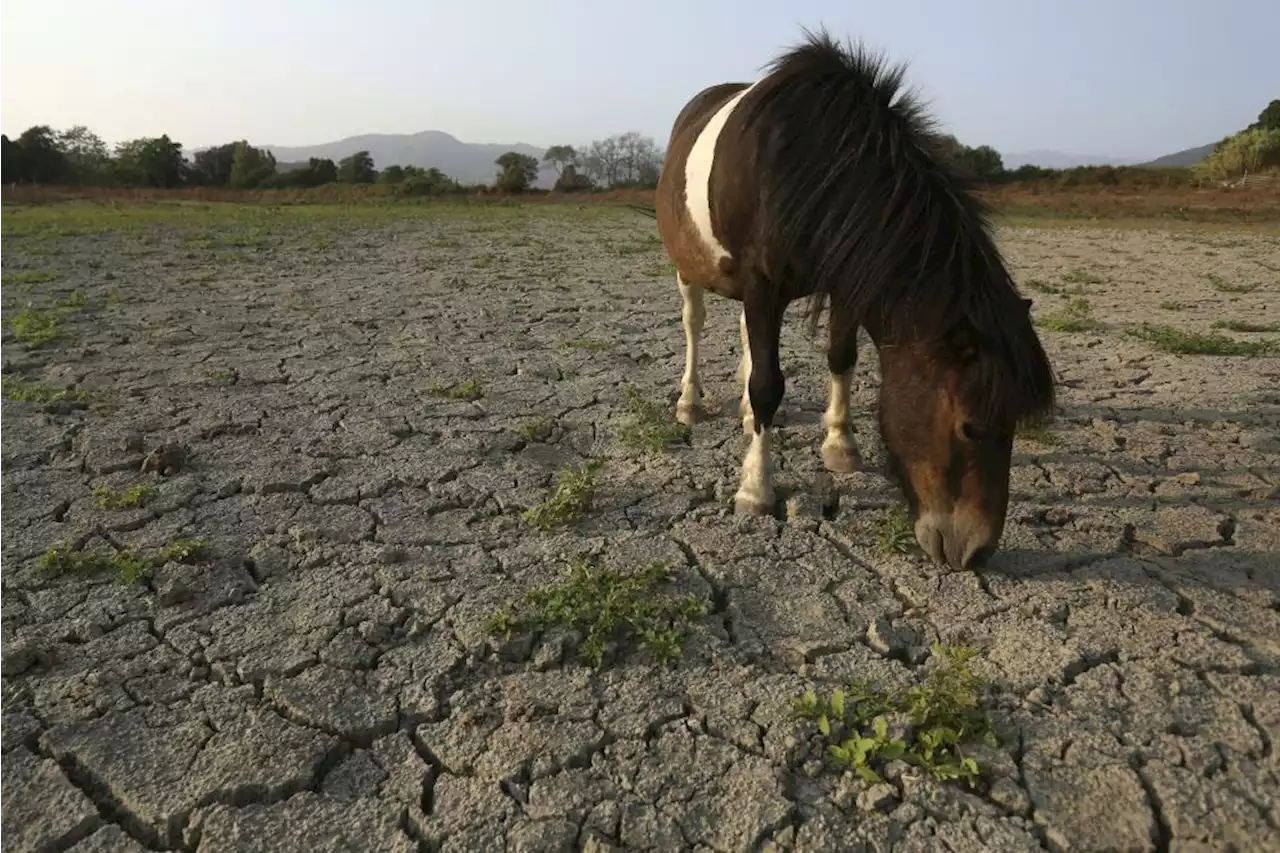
(755, 490)
(697, 176)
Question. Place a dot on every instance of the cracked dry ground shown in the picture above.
(321, 679)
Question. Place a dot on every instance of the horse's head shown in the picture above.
(949, 407)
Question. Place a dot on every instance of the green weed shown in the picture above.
(1245, 326)
(1039, 434)
(1181, 342)
(129, 566)
(35, 327)
(651, 429)
(896, 534)
(467, 390)
(27, 277)
(1073, 317)
(604, 606)
(535, 429)
(941, 715)
(106, 498)
(34, 392)
(1083, 277)
(1221, 285)
(1170, 305)
(570, 498)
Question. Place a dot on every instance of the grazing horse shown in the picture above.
(825, 179)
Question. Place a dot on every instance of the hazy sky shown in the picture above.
(1128, 78)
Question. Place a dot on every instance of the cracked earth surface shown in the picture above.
(322, 680)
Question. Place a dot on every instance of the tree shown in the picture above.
(561, 157)
(518, 171)
(151, 162)
(391, 175)
(40, 156)
(357, 169)
(1268, 119)
(217, 167)
(11, 154)
(88, 160)
(985, 162)
(570, 181)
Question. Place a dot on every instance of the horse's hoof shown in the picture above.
(690, 413)
(744, 504)
(840, 458)
(748, 425)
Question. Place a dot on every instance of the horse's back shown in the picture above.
(702, 105)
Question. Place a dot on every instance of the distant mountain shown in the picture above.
(1058, 160)
(1189, 157)
(467, 162)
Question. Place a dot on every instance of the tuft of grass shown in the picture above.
(1221, 285)
(934, 720)
(651, 428)
(1171, 305)
(114, 296)
(535, 429)
(896, 534)
(35, 327)
(1181, 342)
(217, 374)
(589, 344)
(106, 498)
(1041, 286)
(75, 299)
(568, 500)
(1083, 277)
(129, 566)
(1245, 326)
(604, 606)
(27, 277)
(34, 392)
(468, 390)
(1039, 434)
(1073, 317)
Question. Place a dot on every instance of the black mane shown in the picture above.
(859, 209)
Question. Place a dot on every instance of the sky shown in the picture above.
(1122, 78)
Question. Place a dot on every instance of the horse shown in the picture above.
(826, 179)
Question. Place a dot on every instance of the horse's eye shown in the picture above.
(975, 433)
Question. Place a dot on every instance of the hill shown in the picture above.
(1187, 157)
(467, 162)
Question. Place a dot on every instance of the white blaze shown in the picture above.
(697, 175)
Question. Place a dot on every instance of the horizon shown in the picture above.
(1091, 80)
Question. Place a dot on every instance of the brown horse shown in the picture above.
(824, 179)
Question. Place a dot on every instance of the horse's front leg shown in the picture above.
(762, 326)
(839, 449)
(689, 407)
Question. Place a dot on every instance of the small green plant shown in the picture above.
(589, 344)
(605, 605)
(1245, 326)
(128, 565)
(1073, 317)
(1039, 434)
(1171, 305)
(114, 296)
(1082, 277)
(1041, 286)
(35, 327)
(651, 428)
(1221, 285)
(938, 717)
(218, 374)
(33, 392)
(534, 429)
(1181, 342)
(568, 500)
(896, 533)
(467, 390)
(75, 299)
(27, 277)
(134, 496)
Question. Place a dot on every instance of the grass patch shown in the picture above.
(1181, 342)
(34, 392)
(535, 429)
(1245, 326)
(605, 606)
(134, 496)
(1221, 285)
(1041, 286)
(651, 429)
(1073, 317)
(1083, 277)
(1170, 305)
(931, 722)
(35, 327)
(75, 299)
(468, 390)
(896, 534)
(568, 500)
(129, 566)
(1039, 434)
(588, 344)
(27, 277)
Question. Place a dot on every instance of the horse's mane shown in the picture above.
(859, 206)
